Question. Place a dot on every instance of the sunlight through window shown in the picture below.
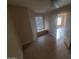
(59, 21)
(39, 23)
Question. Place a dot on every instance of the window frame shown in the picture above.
(43, 23)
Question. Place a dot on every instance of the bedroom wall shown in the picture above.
(52, 19)
(14, 45)
(68, 30)
(22, 23)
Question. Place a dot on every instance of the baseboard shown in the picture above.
(27, 44)
(69, 47)
(42, 33)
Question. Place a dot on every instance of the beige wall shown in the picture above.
(22, 23)
(21, 29)
(32, 15)
(52, 19)
(52, 23)
(14, 48)
(68, 30)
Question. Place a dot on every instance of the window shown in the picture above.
(59, 20)
(39, 23)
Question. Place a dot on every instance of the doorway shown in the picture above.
(61, 21)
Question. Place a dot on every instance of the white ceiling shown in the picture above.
(40, 6)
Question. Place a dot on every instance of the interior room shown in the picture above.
(39, 29)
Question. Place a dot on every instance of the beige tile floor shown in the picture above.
(46, 47)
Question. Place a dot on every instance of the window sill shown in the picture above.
(41, 30)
